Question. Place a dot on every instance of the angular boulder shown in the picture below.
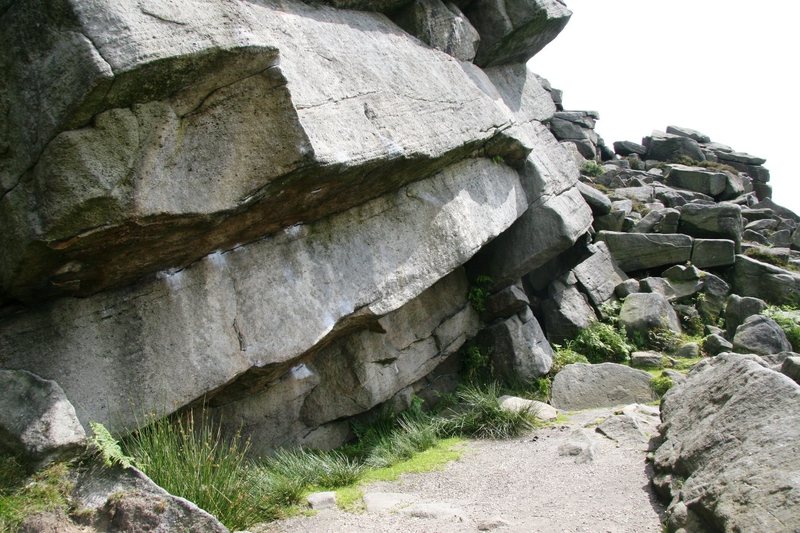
(442, 26)
(642, 312)
(513, 31)
(740, 308)
(518, 348)
(672, 148)
(640, 251)
(763, 280)
(716, 221)
(707, 253)
(566, 312)
(626, 148)
(760, 335)
(37, 421)
(688, 132)
(581, 386)
(599, 274)
(508, 301)
(696, 179)
(726, 463)
(599, 202)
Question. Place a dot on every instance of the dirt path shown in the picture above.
(566, 478)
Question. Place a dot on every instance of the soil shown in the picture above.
(527, 484)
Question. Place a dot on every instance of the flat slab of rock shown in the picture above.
(714, 221)
(580, 386)
(322, 500)
(696, 179)
(726, 455)
(763, 280)
(599, 274)
(640, 251)
(707, 253)
(647, 359)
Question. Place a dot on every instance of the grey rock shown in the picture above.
(690, 133)
(716, 425)
(598, 202)
(367, 5)
(514, 31)
(762, 280)
(117, 499)
(791, 368)
(697, 179)
(598, 274)
(580, 386)
(640, 251)
(566, 312)
(781, 238)
(751, 236)
(442, 26)
(322, 500)
(740, 157)
(777, 209)
(626, 148)
(622, 428)
(435, 511)
(578, 445)
(382, 502)
(567, 130)
(657, 285)
(720, 221)
(796, 239)
(522, 92)
(539, 409)
(492, 523)
(671, 148)
(675, 376)
(37, 421)
(585, 147)
(518, 348)
(642, 312)
(738, 309)
(647, 359)
(690, 350)
(508, 301)
(682, 273)
(124, 173)
(539, 235)
(762, 224)
(199, 328)
(715, 294)
(610, 222)
(658, 221)
(760, 335)
(708, 253)
(629, 286)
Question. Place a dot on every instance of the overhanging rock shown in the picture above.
(190, 332)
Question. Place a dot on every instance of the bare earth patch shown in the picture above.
(568, 477)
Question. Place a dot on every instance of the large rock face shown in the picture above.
(174, 132)
(582, 386)
(729, 460)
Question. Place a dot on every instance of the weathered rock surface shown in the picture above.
(37, 422)
(726, 462)
(768, 282)
(696, 179)
(566, 312)
(581, 386)
(642, 312)
(192, 331)
(639, 251)
(760, 335)
(443, 26)
(791, 367)
(738, 309)
(718, 221)
(91, 203)
(707, 253)
(513, 31)
(518, 348)
(672, 148)
(541, 410)
(599, 274)
(119, 499)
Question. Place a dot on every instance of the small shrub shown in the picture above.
(591, 168)
(610, 310)
(663, 339)
(481, 416)
(477, 366)
(479, 291)
(565, 356)
(602, 342)
(788, 321)
(661, 384)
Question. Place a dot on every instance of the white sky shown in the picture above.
(728, 68)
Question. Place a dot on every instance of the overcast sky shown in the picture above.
(728, 68)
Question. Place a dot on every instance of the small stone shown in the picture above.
(716, 344)
(578, 445)
(495, 522)
(690, 350)
(647, 359)
(539, 409)
(322, 500)
(791, 367)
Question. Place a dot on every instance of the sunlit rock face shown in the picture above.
(241, 203)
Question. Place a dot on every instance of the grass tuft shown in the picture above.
(480, 415)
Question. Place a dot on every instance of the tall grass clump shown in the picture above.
(190, 457)
(314, 468)
(479, 415)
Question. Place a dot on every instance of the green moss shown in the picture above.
(22, 496)
(789, 321)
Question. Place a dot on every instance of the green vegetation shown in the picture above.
(479, 291)
(480, 415)
(602, 342)
(564, 356)
(591, 168)
(788, 318)
(476, 366)
(760, 254)
(107, 447)
(22, 495)
(661, 384)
